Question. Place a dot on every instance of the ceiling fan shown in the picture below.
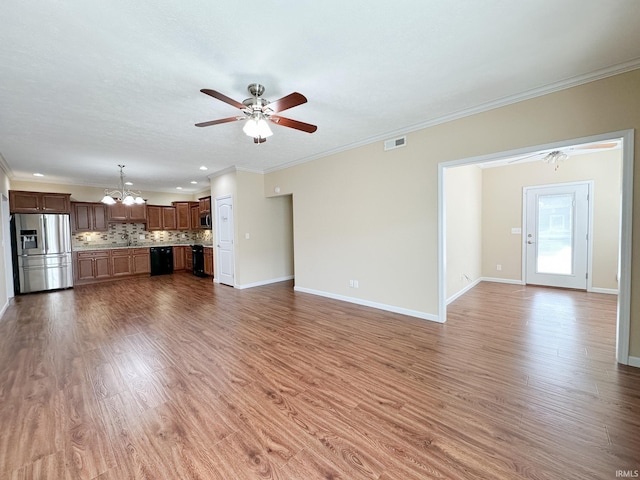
(258, 112)
(556, 156)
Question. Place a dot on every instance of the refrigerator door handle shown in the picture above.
(44, 234)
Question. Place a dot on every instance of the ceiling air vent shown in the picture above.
(395, 143)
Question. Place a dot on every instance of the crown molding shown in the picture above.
(483, 107)
(233, 169)
(4, 166)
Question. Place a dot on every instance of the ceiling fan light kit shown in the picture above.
(126, 197)
(555, 157)
(258, 112)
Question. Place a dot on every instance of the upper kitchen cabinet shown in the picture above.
(120, 213)
(205, 205)
(161, 218)
(88, 217)
(183, 215)
(194, 208)
(39, 202)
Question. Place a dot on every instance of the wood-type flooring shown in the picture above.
(173, 377)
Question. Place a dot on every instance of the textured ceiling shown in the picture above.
(88, 84)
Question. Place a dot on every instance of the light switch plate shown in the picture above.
(516, 230)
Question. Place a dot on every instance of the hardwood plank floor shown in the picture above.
(172, 377)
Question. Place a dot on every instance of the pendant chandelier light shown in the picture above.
(126, 197)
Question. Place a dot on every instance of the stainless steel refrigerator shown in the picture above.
(41, 245)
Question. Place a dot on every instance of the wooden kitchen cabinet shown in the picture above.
(93, 265)
(39, 202)
(161, 218)
(140, 260)
(183, 215)
(102, 265)
(188, 259)
(208, 260)
(120, 262)
(194, 210)
(88, 217)
(121, 213)
(204, 204)
(179, 257)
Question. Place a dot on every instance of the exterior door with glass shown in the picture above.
(556, 235)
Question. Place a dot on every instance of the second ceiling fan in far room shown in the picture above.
(258, 112)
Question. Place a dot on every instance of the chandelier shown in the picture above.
(126, 197)
(555, 157)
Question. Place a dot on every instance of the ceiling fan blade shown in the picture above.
(519, 159)
(287, 122)
(217, 122)
(223, 98)
(292, 100)
(259, 139)
(596, 146)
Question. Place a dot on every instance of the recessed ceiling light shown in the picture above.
(203, 168)
(128, 183)
(194, 182)
(178, 188)
(38, 175)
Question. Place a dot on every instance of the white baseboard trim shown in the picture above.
(634, 361)
(264, 282)
(501, 280)
(4, 308)
(463, 291)
(609, 291)
(367, 303)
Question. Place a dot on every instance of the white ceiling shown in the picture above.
(88, 84)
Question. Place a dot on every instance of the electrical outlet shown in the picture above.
(351, 283)
(499, 267)
(356, 284)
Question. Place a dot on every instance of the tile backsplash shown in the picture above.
(134, 234)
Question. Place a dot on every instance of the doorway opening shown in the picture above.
(625, 139)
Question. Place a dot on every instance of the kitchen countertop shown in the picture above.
(117, 247)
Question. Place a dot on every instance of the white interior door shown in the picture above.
(556, 235)
(224, 240)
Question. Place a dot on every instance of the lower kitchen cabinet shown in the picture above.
(141, 260)
(120, 263)
(208, 260)
(102, 265)
(179, 258)
(188, 259)
(92, 266)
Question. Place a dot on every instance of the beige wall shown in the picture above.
(463, 200)
(365, 215)
(502, 210)
(267, 254)
(372, 215)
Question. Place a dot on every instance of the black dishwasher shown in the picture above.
(161, 260)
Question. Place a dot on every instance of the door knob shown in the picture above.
(530, 242)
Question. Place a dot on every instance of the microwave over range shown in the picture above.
(205, 220)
